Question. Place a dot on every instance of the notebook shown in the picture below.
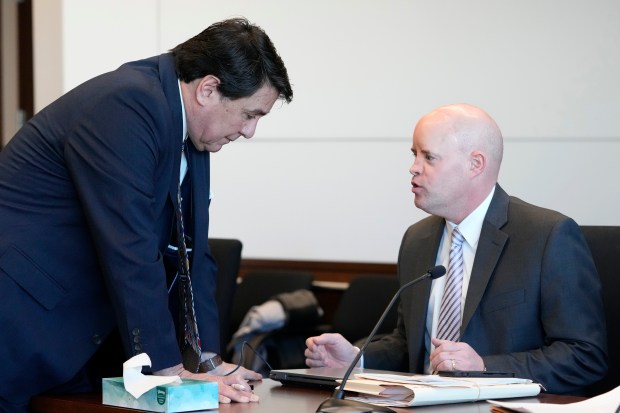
(326, 377)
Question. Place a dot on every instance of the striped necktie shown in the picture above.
(449, 325)
(189, 340)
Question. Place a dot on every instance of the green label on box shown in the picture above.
(161, 396)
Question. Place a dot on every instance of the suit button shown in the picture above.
(137, 347)
(96, 339)
(136, 331)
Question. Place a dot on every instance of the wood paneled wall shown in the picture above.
(323, 271)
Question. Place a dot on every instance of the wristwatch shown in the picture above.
(210, 363)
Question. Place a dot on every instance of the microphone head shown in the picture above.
(437, 272)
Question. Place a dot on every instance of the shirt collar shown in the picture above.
(184, 136)
(471, 226)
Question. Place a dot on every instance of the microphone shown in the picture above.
(337, 403)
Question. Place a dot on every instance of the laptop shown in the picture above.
(323, 377)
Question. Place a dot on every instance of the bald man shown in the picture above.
(530, 299)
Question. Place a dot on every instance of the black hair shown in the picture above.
(239, 54)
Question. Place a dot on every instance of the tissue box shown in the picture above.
(174, 397)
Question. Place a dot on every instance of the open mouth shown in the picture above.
(415, 187)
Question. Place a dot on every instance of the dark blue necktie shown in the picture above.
(190, 340)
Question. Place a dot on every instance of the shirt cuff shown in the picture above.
(360, 363)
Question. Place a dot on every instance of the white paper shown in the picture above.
(137, 383)
(422, 390)
(442, 381)
(605, 403)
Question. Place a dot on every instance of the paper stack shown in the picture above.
(420, 390)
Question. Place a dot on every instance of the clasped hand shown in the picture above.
(451, 355)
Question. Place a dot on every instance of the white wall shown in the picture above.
(326, 177)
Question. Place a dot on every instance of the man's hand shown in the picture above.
(450, 355)
(231, 388)
(329, 350)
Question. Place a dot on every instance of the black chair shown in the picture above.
(362, 304)
(604, 243)
(256, 287)
(227, 255)
(282, 348)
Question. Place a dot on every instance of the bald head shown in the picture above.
(458, 152)
(471, 129)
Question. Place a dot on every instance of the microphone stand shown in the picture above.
(337, 402)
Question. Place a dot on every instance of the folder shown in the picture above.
(421, 390)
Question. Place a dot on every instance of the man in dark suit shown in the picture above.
(530, 297)
(88, 200)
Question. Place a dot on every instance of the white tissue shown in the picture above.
(137, 383)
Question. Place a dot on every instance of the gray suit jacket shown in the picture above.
(533, 306)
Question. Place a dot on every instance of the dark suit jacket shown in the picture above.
(88, 190)
(533, 305)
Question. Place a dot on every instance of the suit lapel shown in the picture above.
(490, 246)
(198, 163)
(427, 247)
(170, 86)
(174, 183)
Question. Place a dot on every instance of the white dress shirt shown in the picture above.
(470, 228)
(183, 169)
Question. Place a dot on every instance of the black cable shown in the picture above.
(245, 343)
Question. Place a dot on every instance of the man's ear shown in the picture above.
(207, 89)
(478, 162)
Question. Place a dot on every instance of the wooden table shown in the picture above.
(273, 398)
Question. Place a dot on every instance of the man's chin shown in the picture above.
(418, 201)
(213, 147)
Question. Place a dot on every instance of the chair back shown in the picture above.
(227, 255)
(604, 243)
(256, 287)
(362, 304)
